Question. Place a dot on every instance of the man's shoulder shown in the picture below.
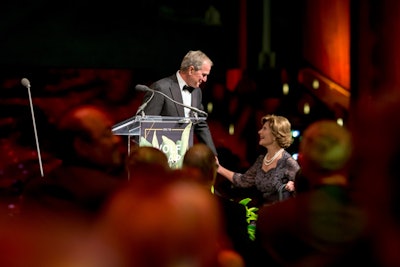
(166, 81)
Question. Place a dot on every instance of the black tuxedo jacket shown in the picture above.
(162, 106)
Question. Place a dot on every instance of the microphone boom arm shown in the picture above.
(145, 88)
(141, 108)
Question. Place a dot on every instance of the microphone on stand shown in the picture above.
(141, 108)
(25, 82)
(144, 88)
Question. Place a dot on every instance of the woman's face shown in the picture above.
(266, 136)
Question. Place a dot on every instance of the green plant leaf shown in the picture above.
(253, 209)
(251, 230)
(245, 201)
(251, 217)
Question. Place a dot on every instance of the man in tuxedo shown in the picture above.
(184, 87)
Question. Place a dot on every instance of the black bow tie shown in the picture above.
(188, 88)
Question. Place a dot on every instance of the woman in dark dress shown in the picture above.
(272, 174)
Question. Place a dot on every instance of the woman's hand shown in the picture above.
(228, 174)
(217, 162)
(290, 186)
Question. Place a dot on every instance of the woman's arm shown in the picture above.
(291, 171)
(228, 174)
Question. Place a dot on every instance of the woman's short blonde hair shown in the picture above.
(281, 129)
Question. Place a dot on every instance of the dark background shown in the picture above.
(151, 35)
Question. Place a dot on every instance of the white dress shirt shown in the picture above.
(186, 96)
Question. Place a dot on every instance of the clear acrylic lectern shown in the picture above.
(172, 135)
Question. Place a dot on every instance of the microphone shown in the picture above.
(144, 88)
(25, 82)
(141, 108)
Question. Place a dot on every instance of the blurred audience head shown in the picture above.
(147, 156)
(200, 158)
(145, 159)
(325, 149)
(173, 224)
(85, 137)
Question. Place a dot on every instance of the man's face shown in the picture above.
(197, 77)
